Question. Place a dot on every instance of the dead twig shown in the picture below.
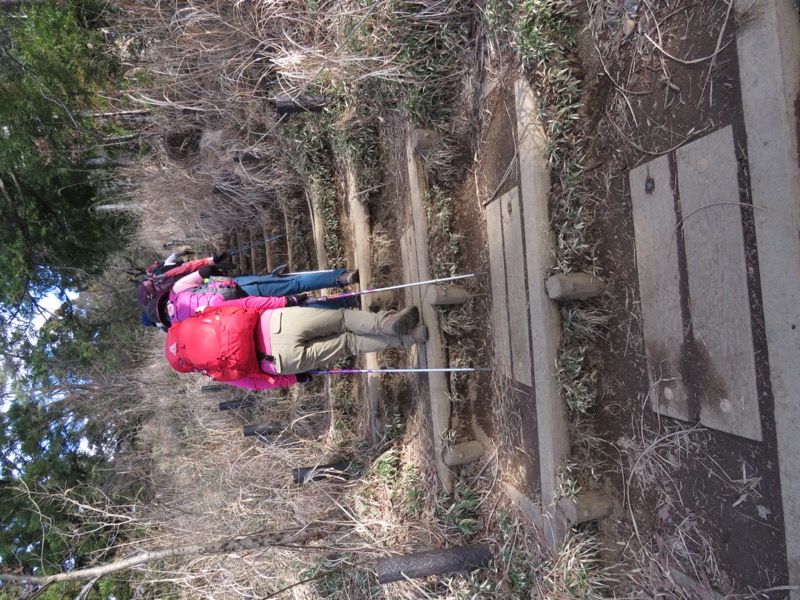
(708, 81)
(690, 61)
(692, 134)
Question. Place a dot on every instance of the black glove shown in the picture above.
(220, 269)
(303, 377)
(222, 256)
(296, 300)
(224, 267)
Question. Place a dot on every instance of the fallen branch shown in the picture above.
(692, 61)
(707, 81)
(287, 538)
(650, 152)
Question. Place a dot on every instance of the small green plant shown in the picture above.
(443, 243)
(334, 576)
(571, 228)
(567, 485)
(313, 159)
(449, 438)
(386, 466)
(518, 568)
(576, 381)
(543, 31)
(359, 140)
(395, 426)
(457, 514)
(413, 490)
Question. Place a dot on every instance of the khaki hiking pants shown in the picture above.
(304, 339)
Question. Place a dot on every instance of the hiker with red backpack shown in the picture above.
(261, 343)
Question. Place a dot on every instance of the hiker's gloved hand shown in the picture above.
(303, 377)
(220, 269)
(224, 267)
(296, 299)
(221, 257)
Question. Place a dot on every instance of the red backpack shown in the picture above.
(218, 342)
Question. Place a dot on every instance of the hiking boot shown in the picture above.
(418, 335)
(402, 322)
(349, 277)
(352, 302)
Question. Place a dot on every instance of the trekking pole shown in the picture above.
(263, 243)
(351, 371)
(310, 301)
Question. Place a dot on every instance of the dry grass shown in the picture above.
(672, 544)
(208, 482)
(459, 320)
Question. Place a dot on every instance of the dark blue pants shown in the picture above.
(295, 283)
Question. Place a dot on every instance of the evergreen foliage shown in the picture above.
(50, 64)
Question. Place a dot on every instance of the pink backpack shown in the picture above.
(224, 287)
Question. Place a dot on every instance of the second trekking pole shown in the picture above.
(312, 301)
(262, 243)
(368, 371)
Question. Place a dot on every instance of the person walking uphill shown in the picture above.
(164, 277)
(258, 344)
(206, 288)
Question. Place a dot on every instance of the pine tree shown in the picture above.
(51, 61)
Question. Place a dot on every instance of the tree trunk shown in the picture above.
(101, 162)
(119, 207)
(292, 538)
(118, 113)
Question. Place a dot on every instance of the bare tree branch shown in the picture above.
(287, 538)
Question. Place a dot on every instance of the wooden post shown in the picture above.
(577, 286)
(215, 388)
(285, 105)
(462, 454)
(379, 300)
(433, 562)
(422, 140)
(262, 429)
(446, 294)
(236, 404)
(588, 506)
